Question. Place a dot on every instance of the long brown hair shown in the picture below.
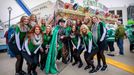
(32, 31)
(21, 20)
(95, 17)
(35, 17)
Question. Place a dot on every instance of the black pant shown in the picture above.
(131, 47)
(111, 46)
(43, 60)
(32, 60)
(100, 53)
(77, 53)
(89, 57)
(18, 55)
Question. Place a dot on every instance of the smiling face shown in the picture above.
(78, 21)
(37, 30)
(48, 29)
(73, 28)
(94, 19)
(24, 20)
(62, 24)
(33, 18)
(43, 22)
(86, 20)
(84, 30)
(69, 23)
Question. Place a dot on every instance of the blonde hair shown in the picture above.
(84, 26)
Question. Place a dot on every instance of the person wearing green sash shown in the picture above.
(33, 20)
(76, 41)
(88, 21)
(20, 33)
(32, 45)
(78, 24)
(46, 43)
(57, 33)
(90, 46)
(43, 25)
(99, 34)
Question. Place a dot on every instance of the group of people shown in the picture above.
(66, 40)
(115, 34)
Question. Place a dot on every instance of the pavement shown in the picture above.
(117, 65)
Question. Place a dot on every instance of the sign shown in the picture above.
(44, 10)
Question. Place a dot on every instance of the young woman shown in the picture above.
(17, 41)
(68, 41)
(99, 33)
(77, 47)
(33, 21)
(46, 42)
(91, 47)
(43, 25)
(31, 49)
(88, 22)
(78, 24)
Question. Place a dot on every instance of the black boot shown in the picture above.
(28, 74)
(64, 61)
(98, 68)
(80, 65)
(92, 70)
(104, 68)
(22, 72)
(87, 67)
(34, 73)
(74, 63)
(17, 74)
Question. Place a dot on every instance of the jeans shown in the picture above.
(120, 45)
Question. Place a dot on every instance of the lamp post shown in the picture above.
(9, 9)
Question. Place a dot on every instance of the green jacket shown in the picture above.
(111, 35)
(120, 32)
(130, 34)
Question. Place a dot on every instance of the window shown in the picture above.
(112, 12)
(119, 12)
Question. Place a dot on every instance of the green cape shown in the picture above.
(52, 54)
